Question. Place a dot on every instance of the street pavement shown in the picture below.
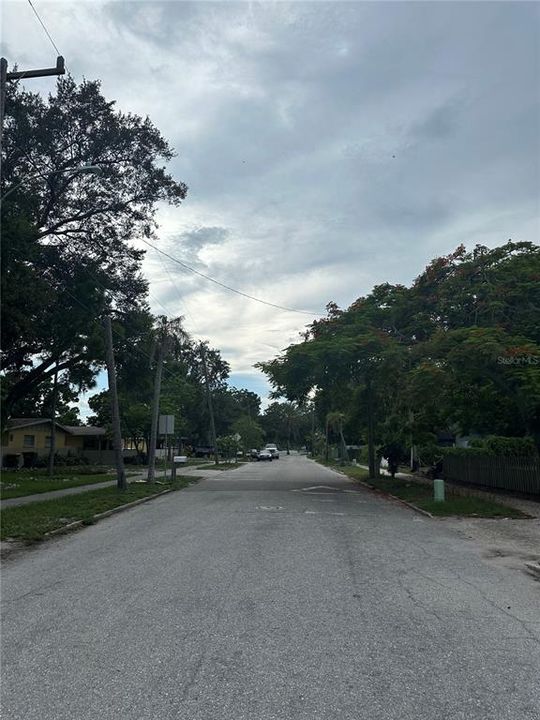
(257, 595)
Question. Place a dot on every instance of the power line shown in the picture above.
(175, 286)
(228, 287)
(120, 335)
(140, 351)
(43, 26)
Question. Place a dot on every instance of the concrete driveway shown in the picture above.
(260, 595)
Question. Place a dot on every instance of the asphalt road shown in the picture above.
(248, 598)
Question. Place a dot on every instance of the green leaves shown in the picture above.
(68, 254)
(459, 349)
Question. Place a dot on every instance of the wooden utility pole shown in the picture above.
(313, 430)
(60, 69)
(288, 433)
(155, 408)
(52, 449)
(326, 441)
(371, 429)
(3, 83)
(115, 413)
(210, 405)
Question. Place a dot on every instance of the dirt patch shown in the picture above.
(505, 542)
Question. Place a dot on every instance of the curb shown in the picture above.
(533, 568)
(356, 481)
(106, 513)
(65, 529)
(394, 497)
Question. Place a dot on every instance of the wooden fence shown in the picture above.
(521, 474)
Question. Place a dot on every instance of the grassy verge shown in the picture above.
(30, 522)
(422, 496)
(18, 484)
(160, 463)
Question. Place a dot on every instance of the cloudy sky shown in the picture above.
(327, 147)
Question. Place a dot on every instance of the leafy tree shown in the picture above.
(228, 446)
(286, 422)
(40, 402)
(335, 421)
(458, 349)
(68, 257)
(251, 433)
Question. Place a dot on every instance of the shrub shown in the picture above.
(496, 445)
(515, 446)
(430, 454)
(464, 452)
(363, 455)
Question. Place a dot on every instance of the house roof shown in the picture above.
(83, 430)
(14, 423)
(86, 430)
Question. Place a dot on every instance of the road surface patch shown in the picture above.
(319, 490)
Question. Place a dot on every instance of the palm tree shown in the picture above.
(335, 421)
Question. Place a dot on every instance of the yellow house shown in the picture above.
(31, 437)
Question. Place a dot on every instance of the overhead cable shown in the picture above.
(228, 287)
(44, 28)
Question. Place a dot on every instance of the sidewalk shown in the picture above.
(39, 497)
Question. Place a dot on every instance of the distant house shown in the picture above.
(446, 438)
(30, 438)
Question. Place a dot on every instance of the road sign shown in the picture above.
(166, 424)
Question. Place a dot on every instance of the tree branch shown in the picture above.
(116, 207)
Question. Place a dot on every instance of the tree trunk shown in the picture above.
(344, 456)
(373, 466)
(326, 442)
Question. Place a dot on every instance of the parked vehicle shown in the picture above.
(254, 454)
(264, 455)
(273, 450)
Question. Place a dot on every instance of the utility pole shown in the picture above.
(115, 413)
(412, 459)
(210, 405)
(52, 449)
(288, 434)
(155, 407)
(3, 83)
(60, 69)
(370, 428)
(326, 441)
(313, 430)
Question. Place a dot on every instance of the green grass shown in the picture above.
(470, 506)
(422, 496)
(30, 522)
(28, 482)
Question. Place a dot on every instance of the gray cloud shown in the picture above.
(327, 146)
(193, 241)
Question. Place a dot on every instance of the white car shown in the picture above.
(265, 455)
(273, 450)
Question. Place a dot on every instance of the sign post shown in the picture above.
(166, 427)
